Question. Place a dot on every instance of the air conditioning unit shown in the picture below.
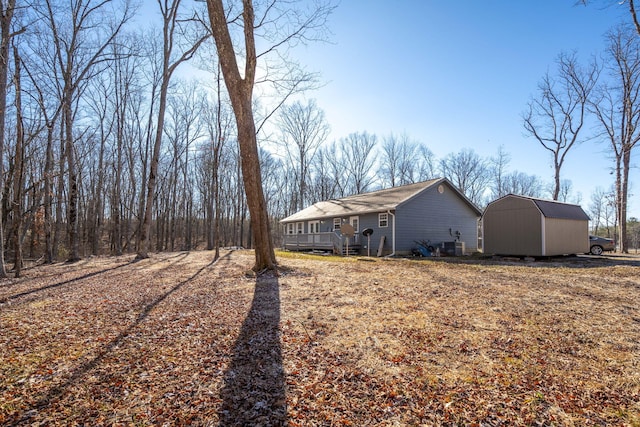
(453, 248)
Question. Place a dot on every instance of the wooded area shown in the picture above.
(112, 141)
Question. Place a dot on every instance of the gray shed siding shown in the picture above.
(436, 217)
(515, 225)
(512, 226)
(566, 237)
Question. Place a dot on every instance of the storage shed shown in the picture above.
(525, 226)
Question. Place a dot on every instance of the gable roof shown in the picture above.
(376, 201)
(554, 209)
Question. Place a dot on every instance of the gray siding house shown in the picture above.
(434, 211)
(525, 226)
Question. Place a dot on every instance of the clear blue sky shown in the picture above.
(459, 74)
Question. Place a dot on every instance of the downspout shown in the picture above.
(393, 235)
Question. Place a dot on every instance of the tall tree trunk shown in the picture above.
(143, 250)
(48, 196)
(216, 184)
(117, 192)
(618, 196)
(240, 91)
(72, 208)
(60, 192)
(18, 170)
(623, 240)
(5, 34)
(169, 12)
(97, 202)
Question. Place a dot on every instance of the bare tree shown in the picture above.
(426, 165)
(337, 171)
(100, 94)
(601, 210)
(322, 182)
(522, 184)
(416, 161)
(49, 110)
(390, 159)
(182, 128)
(303, 129)
(632, 10)
(170, 32)
(358, 157)
(7, 11)
(617, 109)
(557, 116)
(467, 171)
(18, 168)
(240, 85)
(124, 74)
(499, 171)
(218, 122)
(400, 160)
(566, 187)
(77, 54)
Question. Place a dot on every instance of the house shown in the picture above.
(395, 218)
(525, 226)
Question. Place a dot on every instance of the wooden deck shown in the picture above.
(329, 242)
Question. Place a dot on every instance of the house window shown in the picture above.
(337, 222)
(383, 220)
(290, 228)
(300, 227)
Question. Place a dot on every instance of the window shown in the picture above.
(337, 222)
(300, 227)
(383, 220)
(290, 228)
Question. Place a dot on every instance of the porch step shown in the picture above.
(353, 250)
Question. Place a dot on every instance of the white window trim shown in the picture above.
(382, 215)
(299, 227)
(337, 223)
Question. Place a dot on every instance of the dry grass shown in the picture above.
(177, 340)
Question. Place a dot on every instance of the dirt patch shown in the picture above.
(178, 340)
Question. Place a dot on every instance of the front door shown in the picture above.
(314, 228)
(355, 223)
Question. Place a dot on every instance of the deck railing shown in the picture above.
(331, 241)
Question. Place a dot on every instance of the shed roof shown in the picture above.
(376, 201)
(555, 209)
(551, 209)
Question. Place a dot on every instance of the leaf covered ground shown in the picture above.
(179, 340)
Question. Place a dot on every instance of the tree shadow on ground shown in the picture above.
(254, 383)
(79, 279)
(90, 364)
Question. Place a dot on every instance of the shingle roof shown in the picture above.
(376, 201)
(554, 209)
